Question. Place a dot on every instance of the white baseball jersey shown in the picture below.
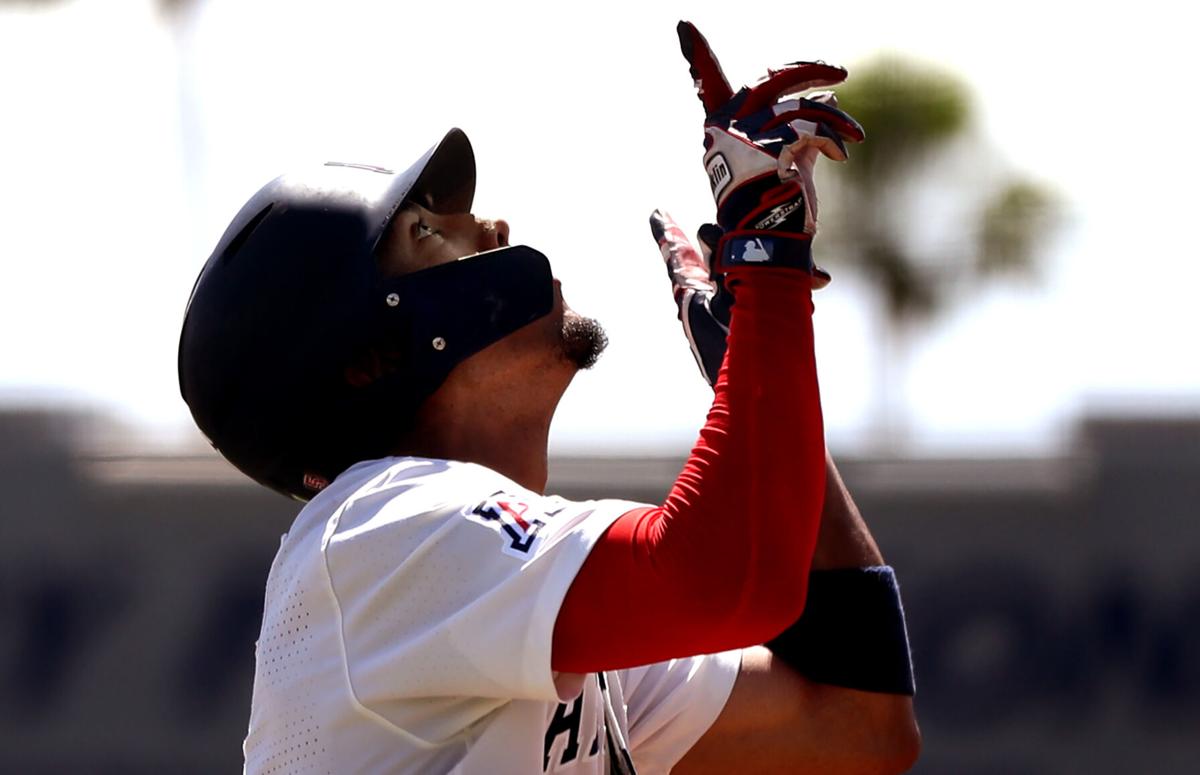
(407, 628)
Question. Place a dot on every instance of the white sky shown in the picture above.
(127, 145)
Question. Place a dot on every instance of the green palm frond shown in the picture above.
(1018, 219)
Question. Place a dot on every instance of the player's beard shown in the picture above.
(583, 339)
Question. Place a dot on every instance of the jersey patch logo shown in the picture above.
(518, 528)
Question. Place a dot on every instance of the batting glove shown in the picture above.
(701, 297)
(760, 151)
(700, 294)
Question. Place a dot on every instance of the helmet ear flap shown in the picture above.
(370, 367)
(436, 318)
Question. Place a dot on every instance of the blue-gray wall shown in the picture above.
(1054, 604)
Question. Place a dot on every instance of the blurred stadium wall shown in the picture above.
(1054, 603)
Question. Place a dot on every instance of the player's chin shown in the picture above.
(583, 339)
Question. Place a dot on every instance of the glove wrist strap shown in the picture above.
(764, 248)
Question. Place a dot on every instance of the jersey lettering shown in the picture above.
(564, 721)
(619, 760)
(571, 726)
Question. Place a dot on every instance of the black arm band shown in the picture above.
(852, 632)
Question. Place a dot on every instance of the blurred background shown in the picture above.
(1007, 353)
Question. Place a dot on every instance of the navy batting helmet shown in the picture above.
(292, 309)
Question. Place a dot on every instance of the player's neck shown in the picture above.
(510, 440)
(516, 450)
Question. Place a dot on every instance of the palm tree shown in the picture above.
(880, 216)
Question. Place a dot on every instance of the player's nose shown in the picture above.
(495, 234)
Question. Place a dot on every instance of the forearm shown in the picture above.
(702, 573)
(844, 540)
(776, 720)
(852, 633)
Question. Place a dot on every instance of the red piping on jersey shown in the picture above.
(723, 563)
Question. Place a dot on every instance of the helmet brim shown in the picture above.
(446, 182)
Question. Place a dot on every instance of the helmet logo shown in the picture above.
(315, 482)
(367, 167)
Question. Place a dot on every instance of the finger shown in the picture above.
(658, 225)
(795, 168)
(711, 83)
(793, 78)
(806, 140)
(686, 267)
(824, 97)
(820, 279)
(837, 120)
(709, 235)
(823, 138)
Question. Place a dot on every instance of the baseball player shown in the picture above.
(360, 341)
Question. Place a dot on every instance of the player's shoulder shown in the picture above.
(419, 480)
(418, 494)
(398, 490)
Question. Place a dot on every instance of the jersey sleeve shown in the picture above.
(670, 705)
(447, 579)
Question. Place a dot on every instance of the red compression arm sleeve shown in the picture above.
(724, 562)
